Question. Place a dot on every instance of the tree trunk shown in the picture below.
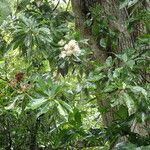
(111, 7)
(125, 39)
(81, 8)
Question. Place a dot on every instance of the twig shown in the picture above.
(6, 80)
(68, 5)
(56, 6)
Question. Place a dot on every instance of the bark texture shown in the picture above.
(81, 8)
(111, 8)
(125, 40)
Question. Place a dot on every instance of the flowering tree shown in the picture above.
(74, 85)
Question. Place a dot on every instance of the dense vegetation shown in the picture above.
(53, 87)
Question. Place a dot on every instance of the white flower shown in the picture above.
(72, 43)
(74, 46)
(66, 47)
(62, 54)
(71, 48)
(69, 53)
(77, 49)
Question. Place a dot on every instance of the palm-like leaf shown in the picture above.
(29, 36)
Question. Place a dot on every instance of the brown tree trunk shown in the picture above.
(80, 9)
(125, 40)
(111, 7)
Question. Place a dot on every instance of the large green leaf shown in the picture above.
(36, 103)
(139, 89)
(129, 103)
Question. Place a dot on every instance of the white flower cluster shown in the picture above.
(71, 48)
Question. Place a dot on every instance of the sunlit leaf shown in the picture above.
(36, 103)
(139, 89)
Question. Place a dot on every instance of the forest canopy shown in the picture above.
(74, 74)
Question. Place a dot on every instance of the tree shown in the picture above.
(59, 81)
(108, 33)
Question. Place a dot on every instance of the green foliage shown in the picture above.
(49, 101)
